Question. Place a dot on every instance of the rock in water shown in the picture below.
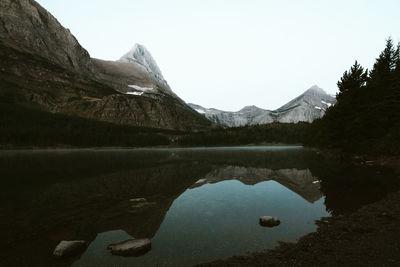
(131, 247)
(140, 205)
(68, 248)
(137, 200)
(269, 221)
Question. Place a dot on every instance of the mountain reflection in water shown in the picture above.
(302, 182)
(49, 196)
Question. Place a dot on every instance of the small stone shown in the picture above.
(269, 221)
(68, 248)
(131, 247)
(142, 205)
(138, 200)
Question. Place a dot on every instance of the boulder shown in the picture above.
(69, 248)
(269, 221)
(131, 247)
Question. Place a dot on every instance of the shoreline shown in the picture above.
(55, 148)
(368, 237)
(388, 161)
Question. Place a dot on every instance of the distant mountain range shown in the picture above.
(307, 107)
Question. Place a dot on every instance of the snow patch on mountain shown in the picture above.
(326, 103)
(134, 93)
(200, 111)
(144, 89)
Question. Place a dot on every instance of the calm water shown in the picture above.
(207, 201)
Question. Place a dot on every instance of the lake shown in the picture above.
(205, 202)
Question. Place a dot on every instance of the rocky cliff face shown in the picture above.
(43, 65)
(28, 26)
(163, 112)
(307, 107)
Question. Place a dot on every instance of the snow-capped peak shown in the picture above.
(141, 55)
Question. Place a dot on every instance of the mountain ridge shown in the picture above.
(308, 106)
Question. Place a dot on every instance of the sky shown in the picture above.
(228, 54)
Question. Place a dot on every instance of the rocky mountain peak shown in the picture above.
(251, 108)
(140, 54)
(316, 89)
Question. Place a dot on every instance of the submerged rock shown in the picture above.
(68, 248)
(140, 207)
(131, 247)
(137, 200)
(269, 221)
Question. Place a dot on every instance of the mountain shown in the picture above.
(135, 73)
(42, 65)
(307, 107)
(139, 54)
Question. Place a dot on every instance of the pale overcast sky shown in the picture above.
(228, 54)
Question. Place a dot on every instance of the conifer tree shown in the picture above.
(395, 88)
(381, 74)
(367, 116)
(397, 63)
(351, 81)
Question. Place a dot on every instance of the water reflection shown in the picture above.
(212, 194)
(217, 221)
(301, 182)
